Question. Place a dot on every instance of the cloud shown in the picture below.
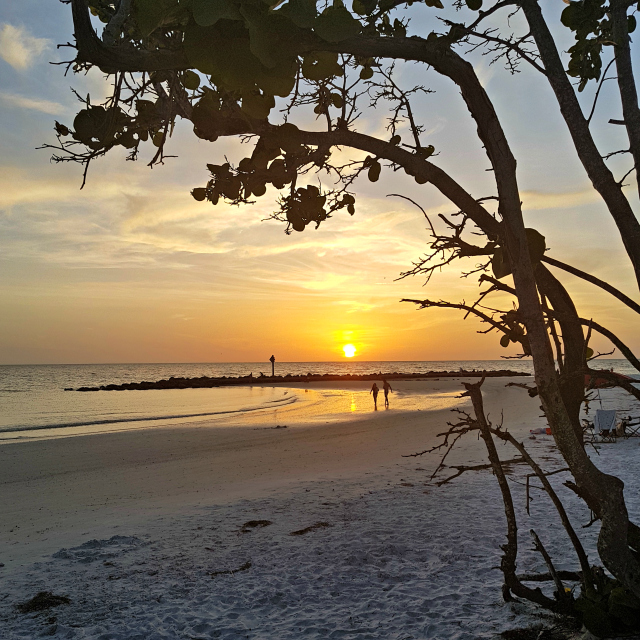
(354, 306)
(19, 48)
(537, 200)
(485, 72)
(45, 106)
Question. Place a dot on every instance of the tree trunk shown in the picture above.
(598, 172)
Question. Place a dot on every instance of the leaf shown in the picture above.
(301, 12)
(207, 12)
(474, 5)
(150, 14)
(499, 264)
(158, 138)
(504, 341)
(228, 60)
(257, 106)
(321, 65)
(190, 80)
(336, 100)
(366, 73)
(336, 24)
(364, 7)
(374, 171)
(537, 245)
(426, 152)
(199, 194)
(277, 85)
(631, 24)
(273, 39)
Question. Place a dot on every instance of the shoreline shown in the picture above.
(204, 382)
(60, 488)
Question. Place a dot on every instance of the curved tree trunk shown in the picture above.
(598, 172)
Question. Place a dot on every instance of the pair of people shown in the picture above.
(375, 390)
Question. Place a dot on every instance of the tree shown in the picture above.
(222, 64)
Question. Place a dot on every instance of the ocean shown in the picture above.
(34, 403)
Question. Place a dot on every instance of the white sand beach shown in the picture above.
(162, 533)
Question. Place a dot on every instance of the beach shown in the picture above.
(184, 531)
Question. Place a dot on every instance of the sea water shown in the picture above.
(34, 403)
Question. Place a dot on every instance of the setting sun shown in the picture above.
(349, 350)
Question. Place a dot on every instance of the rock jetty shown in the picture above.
(205, 382)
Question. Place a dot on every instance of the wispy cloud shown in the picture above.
(537, 200)
(19, 48)
(353, 306)
(22, 102)
(485, 71)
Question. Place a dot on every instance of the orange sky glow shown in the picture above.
(132, 269)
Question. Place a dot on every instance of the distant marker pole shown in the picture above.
(272, 360)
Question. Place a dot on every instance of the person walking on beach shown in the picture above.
(375, 391)
(387, 387)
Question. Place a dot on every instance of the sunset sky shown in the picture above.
(132, 269)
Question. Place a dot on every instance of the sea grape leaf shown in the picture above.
(335, 24)
(474, 5)
(277, 85)
(301, 12)
(207, 12)
(364, 7)
(257, 105)
(504, 341)
(537, 246)
(190, 80)
(228, 60)
(320, 65)
(150, 14)
(499, 264)
(366, 73)
(272, 36)
(374, 172)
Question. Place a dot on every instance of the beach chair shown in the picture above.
(604, 425)
(630, 427)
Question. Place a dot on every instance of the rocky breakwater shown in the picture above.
(205, 382)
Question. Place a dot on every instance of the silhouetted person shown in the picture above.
(387, 387)
(375, 391)
(272, 360)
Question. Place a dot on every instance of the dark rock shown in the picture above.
(44, 600)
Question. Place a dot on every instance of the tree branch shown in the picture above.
(598, 172)
(632, 304)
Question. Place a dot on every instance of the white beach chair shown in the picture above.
(604, 425)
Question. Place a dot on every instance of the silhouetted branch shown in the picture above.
(632, 304)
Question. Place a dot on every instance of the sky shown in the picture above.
(132, 269)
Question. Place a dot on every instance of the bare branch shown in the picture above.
(593, 280)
